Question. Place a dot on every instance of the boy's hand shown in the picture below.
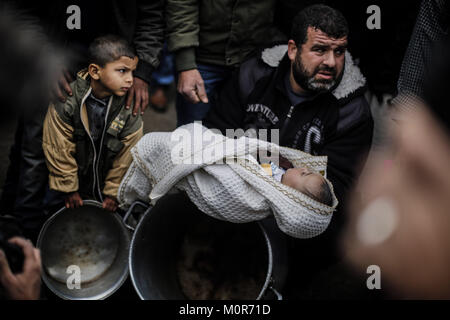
(73, 200)
(110, 204)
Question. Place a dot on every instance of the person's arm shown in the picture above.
(59, 150)
(430, 28)
(182, 32)
(347, 152)
(129, 137)
(148, 40)
(348, 148)
(149, 37)
(62, 87)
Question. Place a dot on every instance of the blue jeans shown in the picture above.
(212, 77)
(165, 74)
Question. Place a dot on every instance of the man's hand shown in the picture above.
(25, 285)
(110, 204)
(63, 84)
(192, 87)
(73, 200)
(139, 91)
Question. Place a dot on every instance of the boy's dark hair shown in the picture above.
(109, 48)
(318, 16)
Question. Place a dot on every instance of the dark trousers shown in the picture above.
(27, 175)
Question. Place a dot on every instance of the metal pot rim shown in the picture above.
(147, 215)
(109, 291)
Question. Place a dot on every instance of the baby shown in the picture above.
(304, 180)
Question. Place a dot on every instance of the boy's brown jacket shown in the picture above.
(72, 160)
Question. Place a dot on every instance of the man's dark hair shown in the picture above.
(109, 48)
(318, 16)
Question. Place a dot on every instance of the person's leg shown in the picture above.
(9, 191)
(33, 175)
(162, 78)
(212, 77)
(165, 74)
(53, 201)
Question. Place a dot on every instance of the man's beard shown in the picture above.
(308, 82)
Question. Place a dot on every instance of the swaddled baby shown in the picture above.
(301, 179)
(237, 191)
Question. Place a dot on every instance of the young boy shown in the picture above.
(87, 139)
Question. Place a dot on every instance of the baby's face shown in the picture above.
(303, 180)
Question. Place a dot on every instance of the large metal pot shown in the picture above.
(84, 252)
(156, 242)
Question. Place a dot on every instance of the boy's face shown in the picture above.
(303, 180)
(114, 78)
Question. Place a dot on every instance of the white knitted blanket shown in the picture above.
(223, 179)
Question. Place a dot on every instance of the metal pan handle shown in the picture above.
(130, 210)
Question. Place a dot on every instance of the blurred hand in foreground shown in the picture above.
(25, 285)
(402, 221)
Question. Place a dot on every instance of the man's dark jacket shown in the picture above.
(337, 124)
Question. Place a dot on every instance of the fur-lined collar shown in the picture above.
(352, 80)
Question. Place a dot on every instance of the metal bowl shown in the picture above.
(84, 252)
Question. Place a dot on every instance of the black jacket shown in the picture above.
(337, 124)
(141, 22)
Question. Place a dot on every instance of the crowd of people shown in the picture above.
(235, 68)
